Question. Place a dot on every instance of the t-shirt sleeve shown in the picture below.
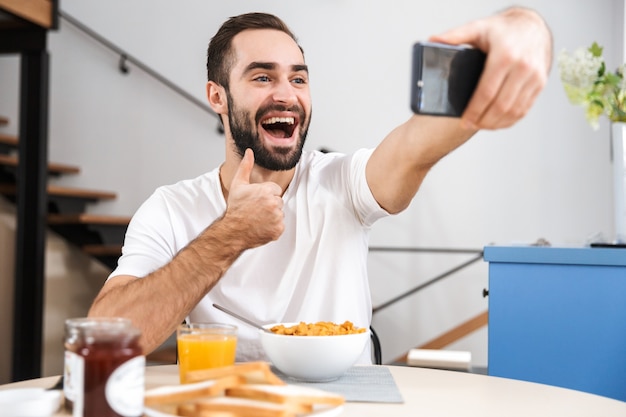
(148, 244)
(367, 208)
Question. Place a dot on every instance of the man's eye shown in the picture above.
(262, 78)
(299, 80)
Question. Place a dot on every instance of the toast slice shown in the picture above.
(242, 407)
(189, 410)
(169, 394)
(254, 373)
(305, 397)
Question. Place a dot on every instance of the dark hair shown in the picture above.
(220, 54)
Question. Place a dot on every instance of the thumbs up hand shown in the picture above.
(255, 210)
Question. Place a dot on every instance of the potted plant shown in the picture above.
(589, 84)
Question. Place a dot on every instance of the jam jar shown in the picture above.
(105, 368)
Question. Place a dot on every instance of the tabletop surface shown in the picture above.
(434, 393)
(555, 255)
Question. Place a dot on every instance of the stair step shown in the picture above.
(8, 140)
(108, 254)
(24, 13)
(53, 168)
(58, 191)
(103, 250)
(86, 218)
(85, 229)
(62, 199)
(8, 143)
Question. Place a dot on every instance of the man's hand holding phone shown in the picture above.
(518, 44)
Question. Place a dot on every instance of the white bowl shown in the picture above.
(29, 402)
(313, 358)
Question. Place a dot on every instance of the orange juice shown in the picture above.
(200, 348)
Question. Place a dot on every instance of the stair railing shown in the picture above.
(126, 58)
(478, 255)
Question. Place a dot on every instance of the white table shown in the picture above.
(434, 393)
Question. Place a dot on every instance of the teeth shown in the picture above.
(286, 120)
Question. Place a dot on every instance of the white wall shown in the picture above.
(549, 176)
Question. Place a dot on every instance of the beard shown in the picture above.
(245, 135)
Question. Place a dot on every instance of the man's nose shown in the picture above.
(285, 93)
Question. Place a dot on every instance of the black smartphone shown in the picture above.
(444, 78)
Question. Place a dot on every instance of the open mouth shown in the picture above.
(279, 127)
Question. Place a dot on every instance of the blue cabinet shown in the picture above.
(558, 316)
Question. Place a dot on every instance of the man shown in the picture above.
(280, 235)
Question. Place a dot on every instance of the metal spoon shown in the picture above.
(245, 320)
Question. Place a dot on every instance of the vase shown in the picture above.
(618, 134)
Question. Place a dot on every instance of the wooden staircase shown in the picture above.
(41, 206)
(99, 236)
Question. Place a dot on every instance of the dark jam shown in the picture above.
(113, 373)
(73, 364)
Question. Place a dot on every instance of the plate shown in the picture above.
(29, 402)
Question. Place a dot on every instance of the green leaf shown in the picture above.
(595, 49)
(613, 79)
(598, 103)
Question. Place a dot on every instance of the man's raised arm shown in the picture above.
(518, 44)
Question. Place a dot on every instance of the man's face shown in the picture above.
(269, 103)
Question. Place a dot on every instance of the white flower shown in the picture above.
(587, 83)
(580, 69)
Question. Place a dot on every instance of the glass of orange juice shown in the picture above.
(205, 345)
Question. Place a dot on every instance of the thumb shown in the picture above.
(242, 176)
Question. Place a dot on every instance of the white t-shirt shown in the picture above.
(315, 271)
